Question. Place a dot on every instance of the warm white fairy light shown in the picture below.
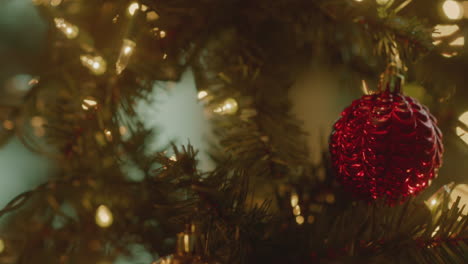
(104, 217)
(294, 199)
(89, 103)
(460, 41)
(300, 219)
(108, 134)
(162, 34)
(229, 107)
(164, 56)
(449, 54)
(128, 47)
(173, 158)
(186, 243)
(55, 2)
(433, 202)
(202, 94)
(96, 64)
(452, 9)
(69, 30)
(133, 7)
(297, 210)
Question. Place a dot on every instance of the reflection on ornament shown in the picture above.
(96, 64)
(104, 217)
(126, 52)
(89, 103)
(229, 107)
(452, 9)
(69, 30)
(133, 7)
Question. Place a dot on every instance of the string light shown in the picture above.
(133, 7)
(173, 158)
(69, 30)
(108, 134)
(162, 34)
(300, 219)
(202, 94)
(433, 202)
(294, 199)
(126, 52)
(164, 56)
(186, 243)
(449, 54)
(452, 9)
(96, 64)
(104, 217)
(2, 246)
(89, 103)
(297, 210)
(460, 41)
(229, 107)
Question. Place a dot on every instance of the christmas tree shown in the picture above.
(114, 199)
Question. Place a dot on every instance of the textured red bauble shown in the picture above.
(386, 145)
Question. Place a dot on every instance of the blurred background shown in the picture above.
(318, 97)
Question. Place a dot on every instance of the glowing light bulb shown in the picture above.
(433, 202)
(2, 246)
(126, 52)
(173, 158)
(297, 210)
(162, 34)
(460, 41)
(69, 30)
(133, 7)
(452, 9)
(300, 219)
(164, 56)
(229, 107)
(96, 64)
(294, 199)
(108, 134)
(358, 0)
(186, 243)
(144, 8)
(89, 103)
(104, 217)
(202, 94)
(449, 54)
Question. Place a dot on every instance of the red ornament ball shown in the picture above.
(386, 145)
